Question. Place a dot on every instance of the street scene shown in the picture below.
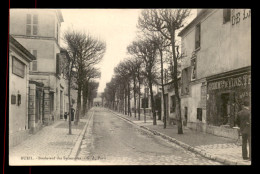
(129, 87)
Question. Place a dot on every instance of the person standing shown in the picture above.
(72, 113)
(244, 123)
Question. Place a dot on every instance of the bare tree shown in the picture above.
(92, 92)
(71, 55)
(146, 51)
(167, 22)
(90, 73)
(123, 71)
(89, 51)
(162, 45)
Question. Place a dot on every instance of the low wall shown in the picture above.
(18, 137)
(215, 130)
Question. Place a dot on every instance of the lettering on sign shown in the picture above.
(238, 16)
(230, 83)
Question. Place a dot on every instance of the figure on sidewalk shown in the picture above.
(244, 122)
(72, 113)
(65, 116)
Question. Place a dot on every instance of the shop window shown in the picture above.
(18, 67)
(224, 108)
(51, 102)
(31, 24)
(226, 15)
(199, 114)
(197, 37)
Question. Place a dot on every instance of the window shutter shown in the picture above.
(58, 63)
(35, 29)
(34, 53)
(34, 65)
(28, 19)
(18, 67)
(197, 37)
(28, 29)
(35, 19)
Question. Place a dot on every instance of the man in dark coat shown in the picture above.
(72, 113)
(244, 122)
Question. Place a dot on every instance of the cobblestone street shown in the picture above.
(112, 141)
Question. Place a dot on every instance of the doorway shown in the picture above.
(224, 113)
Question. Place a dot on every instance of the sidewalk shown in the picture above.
(51, 145)
(217, 148)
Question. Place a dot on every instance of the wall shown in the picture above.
(218, 53)
(46, 21)
(44, 57)
(215, 55)
(18, 115)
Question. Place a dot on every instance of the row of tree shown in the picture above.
(83, 53)
(156, 45)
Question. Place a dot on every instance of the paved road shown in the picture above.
(110, 140)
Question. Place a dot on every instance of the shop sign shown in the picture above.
(231, 82)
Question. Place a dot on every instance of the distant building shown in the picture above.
(20, 123)
(38, 30)
(97, 101)
(216, 69)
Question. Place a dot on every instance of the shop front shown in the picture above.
(225, 94)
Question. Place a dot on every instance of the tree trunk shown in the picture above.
(176, 87)
(85, 97)
(135, 96)
(163, 98)
(69, 86)
(78, 105)
(125, 101)
(152, 101)
(139, 91)
(129, 104)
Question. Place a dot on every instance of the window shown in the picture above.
(31, 24)
(33, 64)
(199, 114)
(58, 64)
(193, 69)
(18, 67)
(57, 33)
(197, 37)
(226, 15)
(186, 77)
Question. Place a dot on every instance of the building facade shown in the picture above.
(19, 62)
(216, 69)
(39, 32)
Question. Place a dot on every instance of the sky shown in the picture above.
(117, 27)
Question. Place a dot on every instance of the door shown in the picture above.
(37, 107)
(225, 108)
(61, 104)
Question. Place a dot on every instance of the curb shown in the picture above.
(186, 146)
(75, 149)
